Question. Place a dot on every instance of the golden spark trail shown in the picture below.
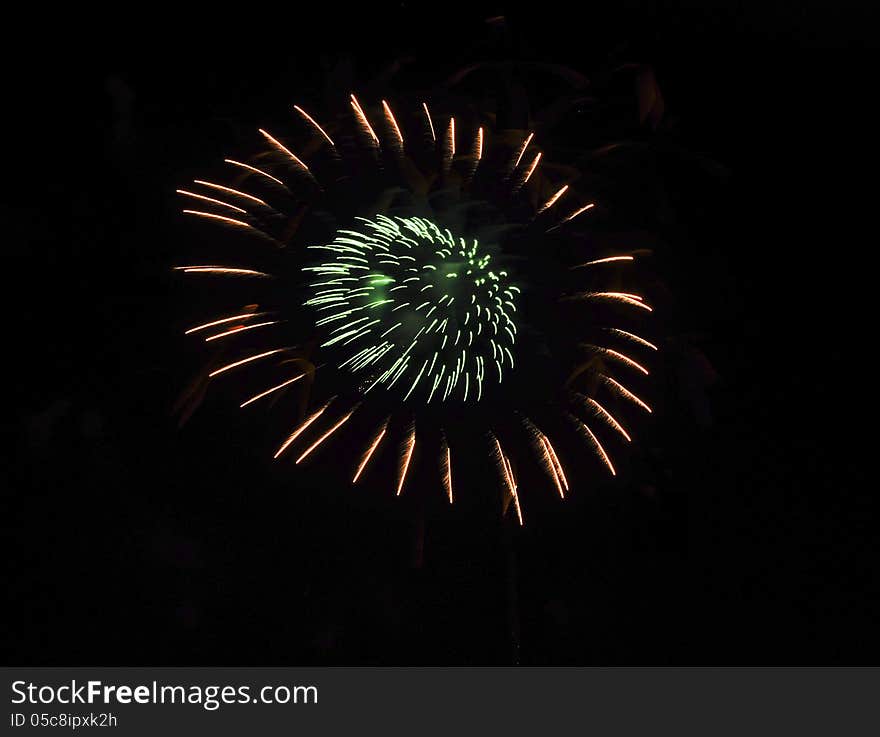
(255, 171)
(390, 116)
(447, 469)
(598, 446)
(552, 201)
(430, 122)
(223, 218)
(634, 337)
(363, 118)
(479, 144)
(240, 329)
(314, 123)
(229, 190)
(325, 435)
(551, 466)
(608, 260)
(269, 391)
(607, 416)
(630, 299)
(507, 473)
(300, 429)
(281, 147)
(623, 391)
(219, 270)
(370, 451)
(230, 366)
(523, 149)
(618, 356)
(556, 462)
(409, 451)
(245, 316)
(531, 169)
(211, 199)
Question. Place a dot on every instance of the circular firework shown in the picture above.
(429, 284)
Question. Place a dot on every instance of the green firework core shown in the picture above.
(412, 308)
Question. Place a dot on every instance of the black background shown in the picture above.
(744, 536)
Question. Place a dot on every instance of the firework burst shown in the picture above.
(403, 250)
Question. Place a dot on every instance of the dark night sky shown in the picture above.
(742, 536)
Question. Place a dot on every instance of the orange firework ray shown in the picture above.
(325, 436)
(556, 462)
(281, 147)
(552, 201)
(314, 124)
(390, 116)
(219, 270)
(430, 122)
(269, 391)
(607, 416)
(523, 149)
(446, 458)
(619, 357)
(633, 337)
(372, 449)
(594, 441)
(411, 444)
(221, 321)
(630, 299)
(479, 144)
(229, 190)
(255, 171)
(363, 118)
(507, 475)
(240, 329)
(212, 200)
(532, 168)
(243, 361)
(302, 428)
(222, 218)
(624, 392)
(608, 260)
(551, 466)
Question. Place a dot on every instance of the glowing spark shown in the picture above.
(211, 199)
(623, 391)
(269, 391)
(552, 201)
(223, 218)
(430, 122)
(523, 149)
(300, 430)
(634, 337)
(572, 216)
(370, 451)
(363, 118)
(325, 436)
(245, 316)
(480, 144)
(230, 366)
(550, 465)
(254, 170)
(218, 270)
(619, 357)
(241, 329)
(452, 135)
(531, 169)
(556, 462)
(507, 474)
(314, 123)
(598, 447)
(630, 299)
(393, 122)
(606, 415)
(411, 444)
(608, 260)
(229, 190)
(281, 147)
(447, 470)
